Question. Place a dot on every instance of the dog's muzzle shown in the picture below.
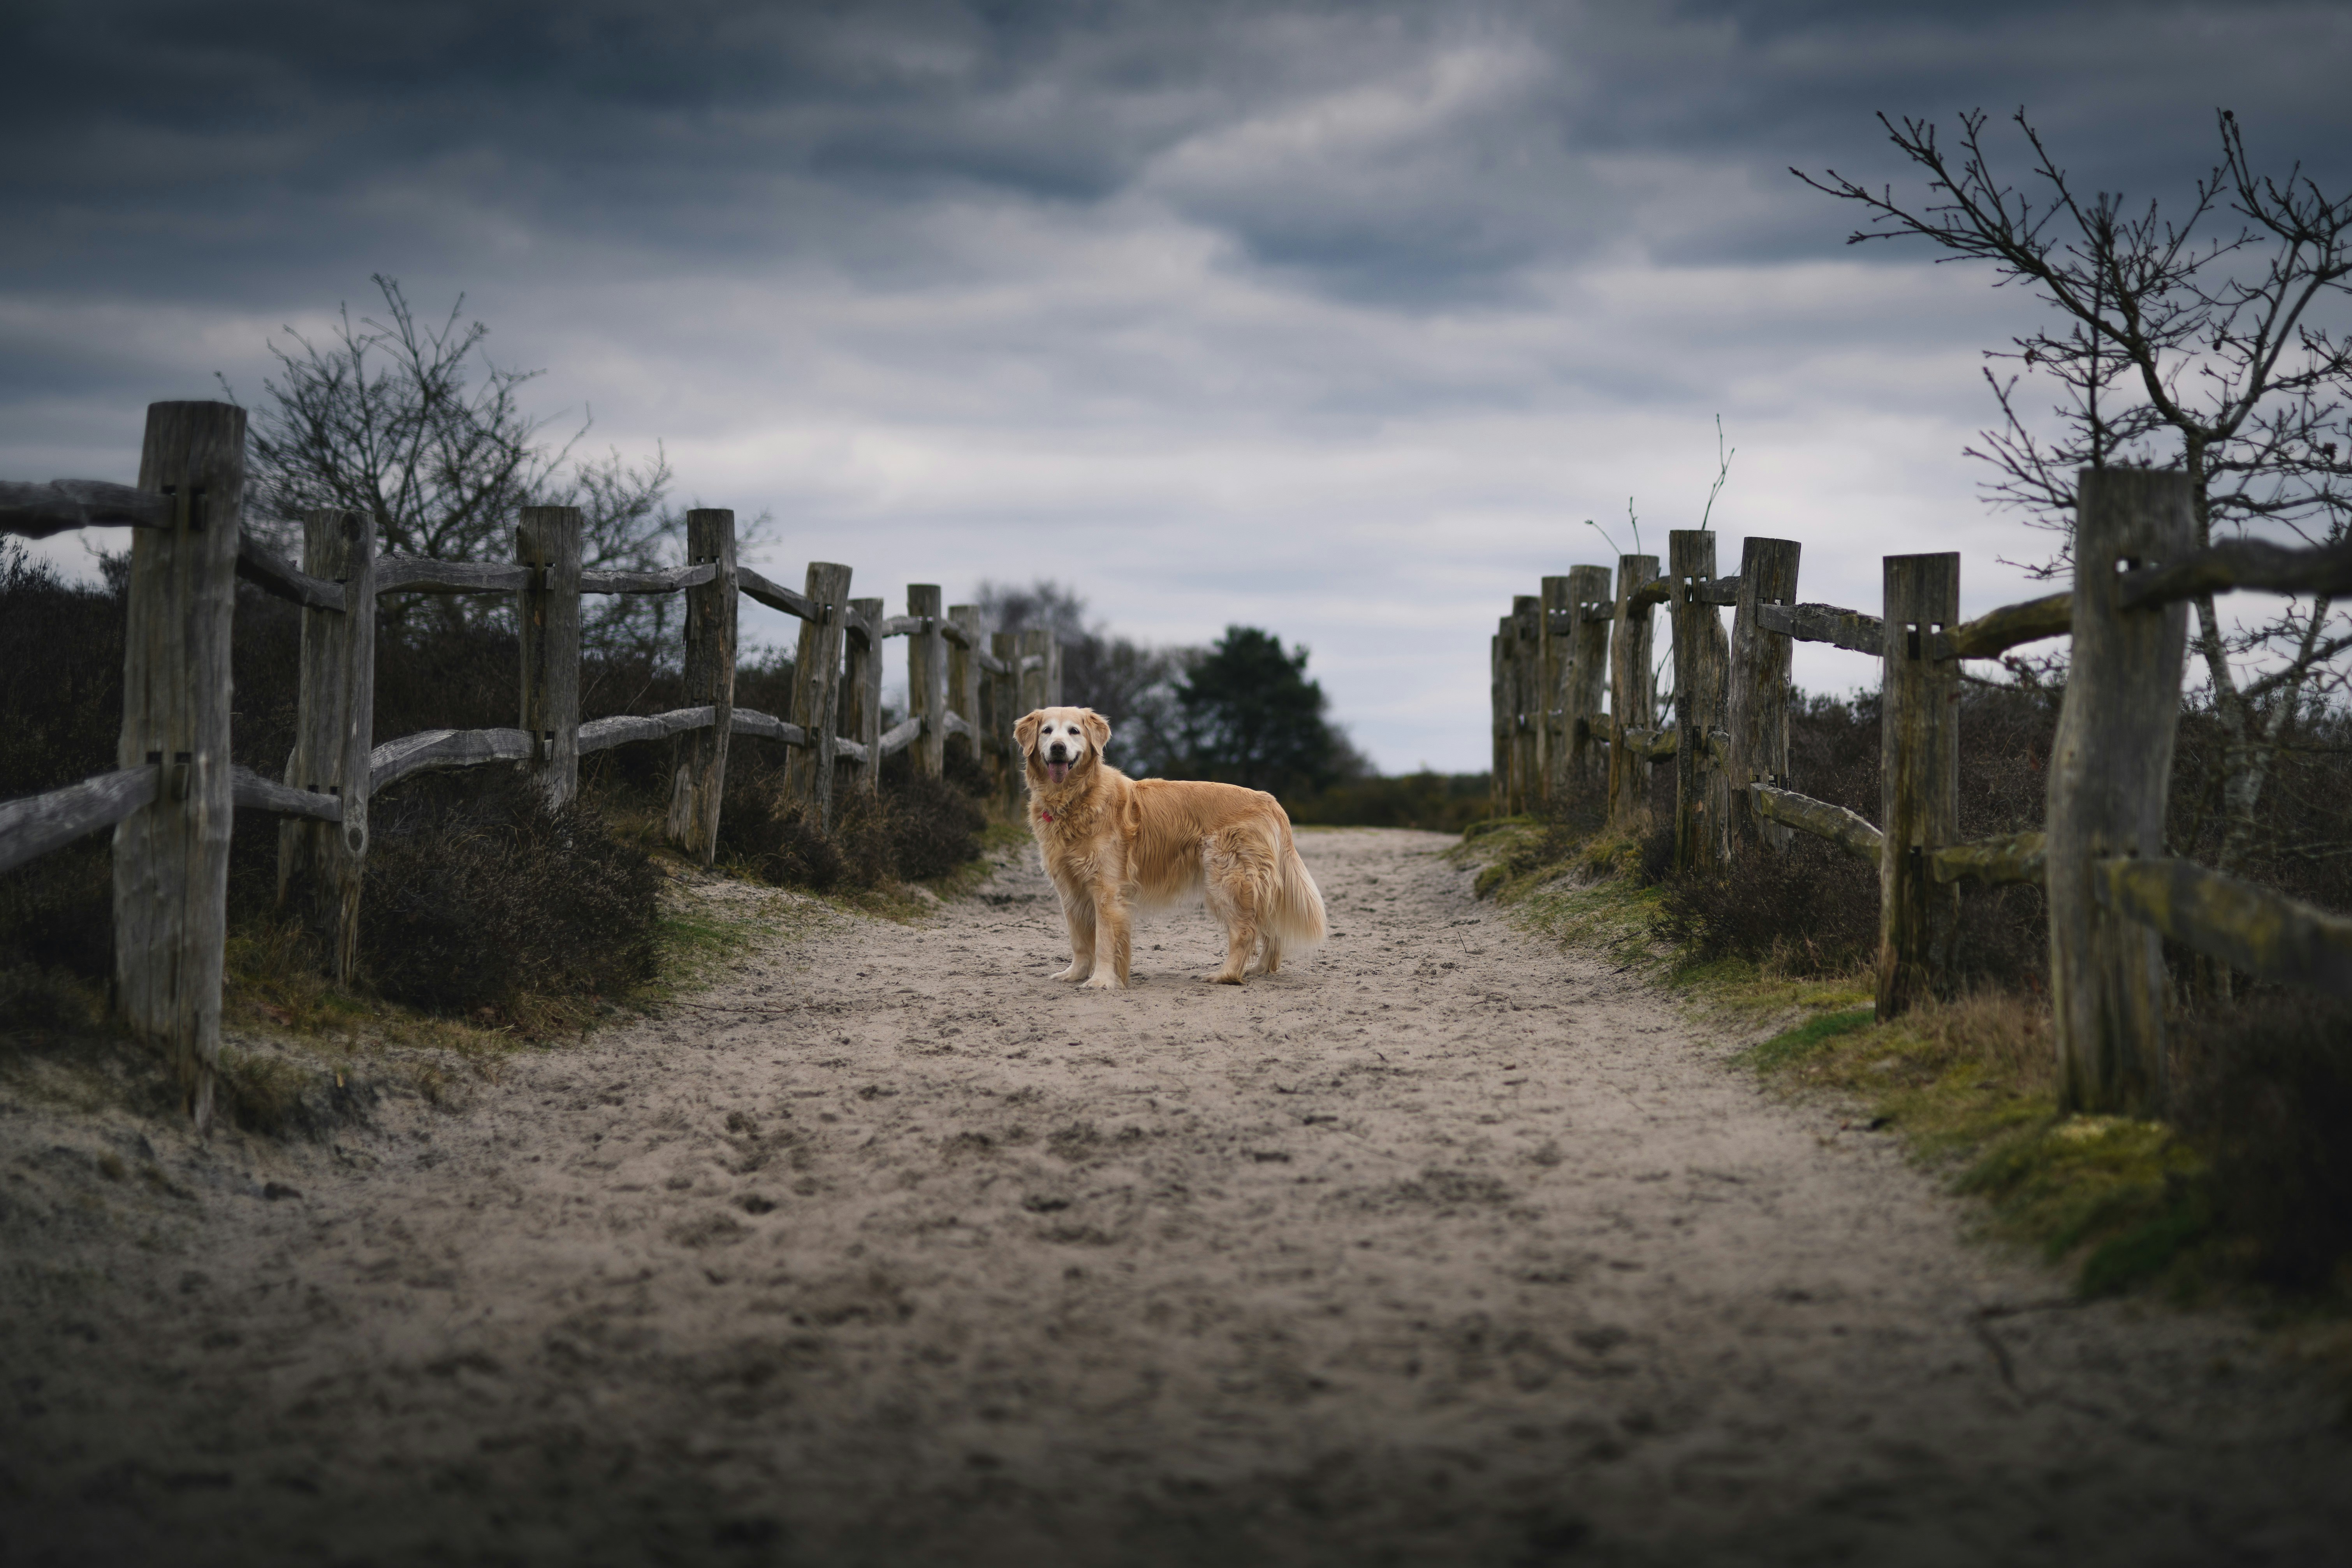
(1057, 762)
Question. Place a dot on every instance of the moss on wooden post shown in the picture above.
(1702, 802)
(1919, 786)
(1756, 709)
(1579, 759)
(2108, 768)
(861, 699)
(926, 677)
(816, 686)
(1633, 695)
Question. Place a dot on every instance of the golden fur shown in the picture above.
(1111, 842)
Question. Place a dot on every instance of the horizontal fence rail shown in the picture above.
(1560, 654)
(171, 803)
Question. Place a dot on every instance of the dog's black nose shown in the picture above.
(1056, 751)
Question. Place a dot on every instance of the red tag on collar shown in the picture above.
(1045, 816)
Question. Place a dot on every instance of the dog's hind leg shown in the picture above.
(1231, 903)
(1273, 958)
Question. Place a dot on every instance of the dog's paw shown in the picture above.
(1069, 973)
(1101, 982)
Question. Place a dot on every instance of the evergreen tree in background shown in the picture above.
(1248, 715)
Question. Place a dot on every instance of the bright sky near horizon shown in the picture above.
(1337, 319)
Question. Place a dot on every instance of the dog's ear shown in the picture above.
(1096, 727)
(1024, 731)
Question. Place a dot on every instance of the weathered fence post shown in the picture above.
(816, 687)
(1920, 788)
(547, 539)
(699, 781)
(1499, 688)
(1633, 695)
(1702, 802)
(171, 857)
(862, 697)
(1527, 701)
(321, 864)
(964, 678)
(1757, 707)
(1579, 759)
(926, 677)
(1036, 683)
(2108, 769)
(1553, 646)
(1053, 671)
(1004, 711)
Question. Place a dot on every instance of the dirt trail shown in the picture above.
(1442, 1247)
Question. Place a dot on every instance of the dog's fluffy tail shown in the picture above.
(1295, 915)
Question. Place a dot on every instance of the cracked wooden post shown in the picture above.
(1702, 792)
(699, 781)
(1004, 711)
(926, 677)
(170, 857)
(1053, 671)
(1498, 690)
(2108, 769)
(1920, 788)
(1633, 695)
(964, 676)
(861, 698)
(816, 687)
(321, 864)
(548, 615)
(1527, 678)
(1581, 758)
(1553, 643)
(1757, 710)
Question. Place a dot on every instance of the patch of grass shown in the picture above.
(1791, 1045)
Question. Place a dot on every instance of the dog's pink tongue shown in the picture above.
(1057, 771)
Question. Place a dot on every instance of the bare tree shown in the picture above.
(393, 417)
(1131, 685)
(2169, 348)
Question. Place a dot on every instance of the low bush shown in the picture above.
(479, 893)
(913, 828)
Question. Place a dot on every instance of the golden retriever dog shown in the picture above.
(1111, 842)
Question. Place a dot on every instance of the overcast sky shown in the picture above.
(1334, 320)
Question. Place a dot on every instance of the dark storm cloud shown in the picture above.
(1337, 318)
(1410, 155)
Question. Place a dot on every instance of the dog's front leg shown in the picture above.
(1110, 942)
(1079, 914)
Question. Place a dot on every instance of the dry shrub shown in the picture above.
(915, 827)
(2265, 1086)
(2006, 1034)
(479, 893)
(1811, 908)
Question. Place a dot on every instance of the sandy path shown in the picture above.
(1443, 1247)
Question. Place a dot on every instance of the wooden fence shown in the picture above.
(173, 796)
(2100, 856)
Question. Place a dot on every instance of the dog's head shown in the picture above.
(1058, 739)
